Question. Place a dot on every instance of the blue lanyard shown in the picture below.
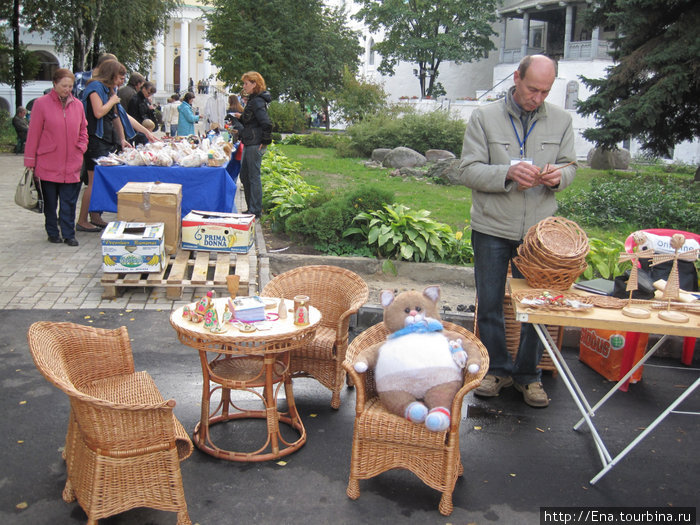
(521, 143)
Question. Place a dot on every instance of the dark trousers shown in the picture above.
(64, 197)
(492, 255)
(250, 177)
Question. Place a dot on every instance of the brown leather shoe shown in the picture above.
(491, 385)
(533, 394)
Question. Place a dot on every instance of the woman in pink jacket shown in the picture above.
(56, 142)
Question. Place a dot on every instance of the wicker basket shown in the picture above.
(561, 238)
(551, 278)
(553, 254)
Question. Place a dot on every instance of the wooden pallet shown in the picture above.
(184, 269)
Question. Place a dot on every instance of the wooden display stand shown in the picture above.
(187, 268)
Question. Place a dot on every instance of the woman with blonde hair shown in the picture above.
(255, 135)
(56, 141)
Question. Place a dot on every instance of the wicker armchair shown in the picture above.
(384, 441)
(124, 445)
(338, 293)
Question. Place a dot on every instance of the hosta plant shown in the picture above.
(397, 232)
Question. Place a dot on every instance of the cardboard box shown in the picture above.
(218, 232)
(133, 247)
(612, 353)
(153, 202)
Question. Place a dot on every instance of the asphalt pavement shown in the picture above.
(518, 460)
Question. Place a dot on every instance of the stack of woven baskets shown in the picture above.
(553, 254)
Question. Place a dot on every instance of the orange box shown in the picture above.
(608, 352)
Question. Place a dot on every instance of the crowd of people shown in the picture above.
(90, 114)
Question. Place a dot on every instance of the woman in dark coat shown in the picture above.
(256, 135)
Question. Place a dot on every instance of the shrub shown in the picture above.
(326, 217)
(656, 201)
(319, 140)
(8, 136)
(284, 189)
(287, 117)
(420, 132)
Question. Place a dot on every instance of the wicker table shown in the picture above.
(245, 361)
(604, 319)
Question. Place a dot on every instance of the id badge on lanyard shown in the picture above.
(522, 142)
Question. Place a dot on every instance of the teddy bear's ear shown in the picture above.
(432, 293)
(386, 298)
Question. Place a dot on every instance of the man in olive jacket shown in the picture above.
(507, 144)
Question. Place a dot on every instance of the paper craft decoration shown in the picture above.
(633, 281)
(671, 291)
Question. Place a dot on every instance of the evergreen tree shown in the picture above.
(652, 92)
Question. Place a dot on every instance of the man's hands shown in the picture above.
(528, 175)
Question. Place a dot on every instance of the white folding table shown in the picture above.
(607, 319)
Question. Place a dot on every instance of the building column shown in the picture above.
(568, 28)
(502, 50)
(525, 38)
(205, 59)
(184, 54)
(160, 63)
(595, 36)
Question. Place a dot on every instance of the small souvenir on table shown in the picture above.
(301, 310)
(232, 282)
(211, 318)
(221, 323)
(186, 312)
(282, 309)
(204, 303)
(227, 315)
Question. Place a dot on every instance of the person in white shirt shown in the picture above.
(171, 115)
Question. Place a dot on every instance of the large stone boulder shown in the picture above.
(434, 155)
(605, 159)
(402, 157)
(378, 154)
(447, 171)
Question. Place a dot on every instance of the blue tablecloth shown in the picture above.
(206, 189)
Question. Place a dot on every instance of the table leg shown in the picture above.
(646, 431)
(573, 387)
(201, 430)
(273, 426)
(623, 380)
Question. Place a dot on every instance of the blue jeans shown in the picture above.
(63, 195)
(250, 177)
(492, 255)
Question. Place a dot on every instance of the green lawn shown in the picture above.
(448, 204)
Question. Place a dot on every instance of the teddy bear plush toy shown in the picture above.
(419, 368)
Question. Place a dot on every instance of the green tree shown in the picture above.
(298, 46)
(359, 98)
(17, 65)
(653, 91)
(87, 28)
(428, 33)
